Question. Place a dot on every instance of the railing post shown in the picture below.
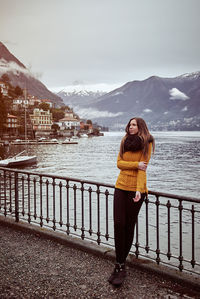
(16, 198)
(147, 224)
(90, 209)
(41, 202)
(5, 195)
(180, 207)
(61, 208)
(193, 262)
(107, 234)
(10, 189)
(98, 216)
(47, 201)
(75, 224)
(29, 200)
(35, 203)
(169, 231)
(54, 204)
(82, 211)
(67, 194)
(23, 196)
(157, 231)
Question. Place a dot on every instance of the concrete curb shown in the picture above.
(182, 278)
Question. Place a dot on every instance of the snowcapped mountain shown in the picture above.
(79, 95)
(83, 98)
(193, 75)
(165, 103)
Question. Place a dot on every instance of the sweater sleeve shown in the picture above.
(141, 175)
(126, 165)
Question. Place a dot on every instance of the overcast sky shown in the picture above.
(102, 41)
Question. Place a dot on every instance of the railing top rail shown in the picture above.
(58, 177)
(156, 193)
(169, 195)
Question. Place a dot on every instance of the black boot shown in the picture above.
(118, 275)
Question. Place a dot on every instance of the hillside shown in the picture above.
(21, 76)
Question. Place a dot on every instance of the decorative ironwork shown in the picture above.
(167, 230)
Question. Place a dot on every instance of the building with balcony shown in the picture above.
(69, 122)
(12, 125)
(41, 120)
(20, 101)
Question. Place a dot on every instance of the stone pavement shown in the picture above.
(36, 266)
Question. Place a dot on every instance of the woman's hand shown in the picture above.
(142, 166)
(137, 196)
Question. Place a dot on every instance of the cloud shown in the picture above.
(185, 108)
(13, 67)
(116, 93)
(176, 94)
(91, 113)
(147, 110)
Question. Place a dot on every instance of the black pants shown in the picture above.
(125, 218)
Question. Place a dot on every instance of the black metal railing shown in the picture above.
(168, 225)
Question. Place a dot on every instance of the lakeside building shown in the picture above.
(33, 100)
(29, 100)
(20, 101)
(4, 88)
(12, 125)
(69, 122)
(85, 125)
(47, 101)
(41, 121)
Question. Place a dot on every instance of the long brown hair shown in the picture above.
(143, 133)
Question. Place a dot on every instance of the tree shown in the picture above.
(57, 114)
(11, 91)
(3, 113)
(55, 127)
(89, 122)
(36, 105)
(18, 91)
(5, 78)
(63, 108)
(44, 106)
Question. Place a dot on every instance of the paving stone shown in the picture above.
(34, 267)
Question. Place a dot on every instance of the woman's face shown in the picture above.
(133, 128)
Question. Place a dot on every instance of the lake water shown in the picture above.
(174, 168)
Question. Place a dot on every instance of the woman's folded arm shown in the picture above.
(126, 165)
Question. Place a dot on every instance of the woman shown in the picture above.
(130, 190)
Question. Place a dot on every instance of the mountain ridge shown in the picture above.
(8, 56)
(21, 76)
(165, 103)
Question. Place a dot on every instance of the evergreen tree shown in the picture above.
(18, 91)
(44, 106)
(3, 113)
(89, 122)
(57, 114)
(5, 78)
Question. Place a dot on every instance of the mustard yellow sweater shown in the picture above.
(131, 178)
